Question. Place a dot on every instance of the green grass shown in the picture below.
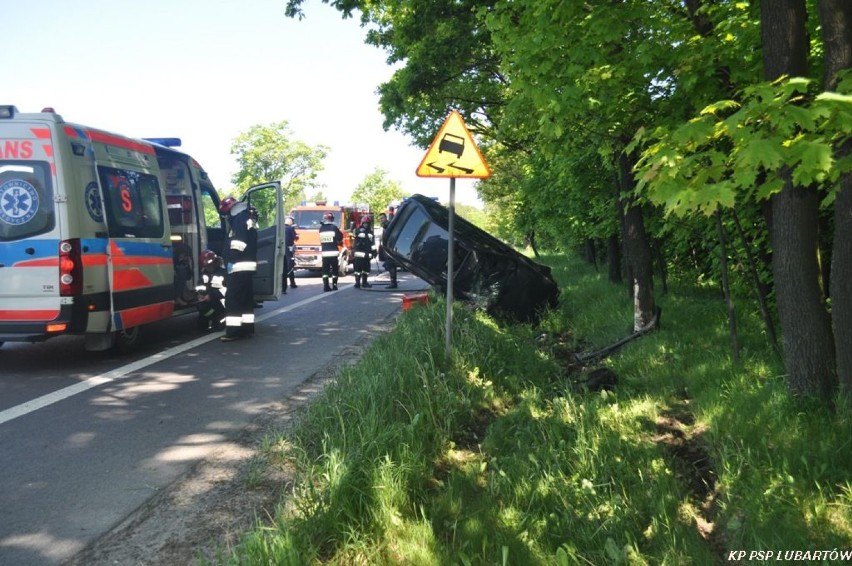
(495, 457)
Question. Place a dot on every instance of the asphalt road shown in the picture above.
(87, 437)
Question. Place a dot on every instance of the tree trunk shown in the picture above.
(660, 260)
(726, 287)
(637, 250)
(836, 19)
(761, 291)
(590, 253)
(530, 241)
(622, 227)
(805, 324)
(613, 256)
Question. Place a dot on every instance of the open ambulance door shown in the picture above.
(268, 200)
(138, 251)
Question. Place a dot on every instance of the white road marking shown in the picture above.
(13, 413)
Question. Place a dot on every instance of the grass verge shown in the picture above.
(501, 455)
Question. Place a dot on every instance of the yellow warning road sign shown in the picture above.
(453, 153)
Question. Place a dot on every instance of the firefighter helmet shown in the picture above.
(366, 219)
(208, 258)
(328, 217)
(226, 205)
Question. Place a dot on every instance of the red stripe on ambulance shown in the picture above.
(89, 260)
(125, 143)
(144, 315)
(127, 279)
(28, 315)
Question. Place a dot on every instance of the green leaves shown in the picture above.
(726, 158)
(268, 153)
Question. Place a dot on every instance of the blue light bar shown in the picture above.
(168, 142)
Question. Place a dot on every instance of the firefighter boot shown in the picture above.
(364, 283)
(325, 285)
(334, 283)
(357, 280)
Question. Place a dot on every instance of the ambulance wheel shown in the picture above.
(127, 340)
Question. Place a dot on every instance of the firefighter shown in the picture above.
(241, 263)
(211, 295)
(362, 248)
(331, 239)
(389, 264)
(290, 238)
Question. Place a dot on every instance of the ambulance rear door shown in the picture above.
(30, 234)
(139, 250)
(268, 200)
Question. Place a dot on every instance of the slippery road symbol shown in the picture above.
(453, 153)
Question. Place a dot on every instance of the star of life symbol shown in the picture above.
(18, 202)
(93, 202)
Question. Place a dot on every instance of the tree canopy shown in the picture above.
(660, 125)
(269, 153)
(377, 191)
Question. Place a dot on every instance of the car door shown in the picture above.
(268, 200)
(140, 265)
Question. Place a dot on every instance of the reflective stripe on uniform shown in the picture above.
(238, 245)
(217, 281)
(244, 266)
(233, 321)
(329, 254)
(360, 254)
(248, 318)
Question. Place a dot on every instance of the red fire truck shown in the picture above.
(307, 218)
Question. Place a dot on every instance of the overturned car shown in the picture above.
(487, 272)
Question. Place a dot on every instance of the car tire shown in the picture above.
(128, 340)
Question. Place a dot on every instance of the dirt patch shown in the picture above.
(676, 431)
(687, 450)
(204, 513)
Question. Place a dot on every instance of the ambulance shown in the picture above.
(102, 234)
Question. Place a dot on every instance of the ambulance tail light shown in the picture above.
(70, 268)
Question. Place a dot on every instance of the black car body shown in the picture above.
(488, 273)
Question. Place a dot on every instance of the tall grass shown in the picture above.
(496, 456)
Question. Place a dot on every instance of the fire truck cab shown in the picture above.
(101, 234)
(307, 220)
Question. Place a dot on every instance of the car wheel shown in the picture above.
(127, 340)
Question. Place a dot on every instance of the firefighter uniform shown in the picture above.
(211, 304)
(362, 249)
(241, 261)
(331, 239)
(290, 238)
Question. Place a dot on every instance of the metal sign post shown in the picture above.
(453, 153)
(451, 244)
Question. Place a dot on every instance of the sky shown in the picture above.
(207, 70)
